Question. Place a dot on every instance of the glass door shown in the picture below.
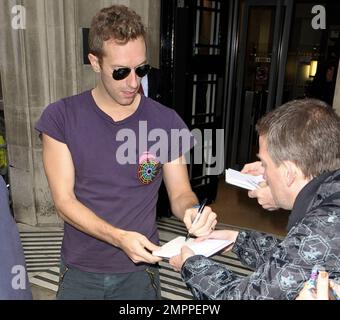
(313, 54)
(193, 62)
(264, 29)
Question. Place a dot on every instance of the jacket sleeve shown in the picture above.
(253, 248)
(281, 274)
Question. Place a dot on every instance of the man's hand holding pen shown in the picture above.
(200, 222)
(204, 224)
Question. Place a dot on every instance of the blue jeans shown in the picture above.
(75, 284)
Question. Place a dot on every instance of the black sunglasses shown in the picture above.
(122, 73)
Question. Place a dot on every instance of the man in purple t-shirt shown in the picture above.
(104, 174)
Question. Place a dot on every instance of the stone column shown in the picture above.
(150, 12)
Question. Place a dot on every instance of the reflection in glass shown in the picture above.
(304, 47)
(207, 27)
(204, 97)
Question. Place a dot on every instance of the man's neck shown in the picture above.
(299, 184)
(116, 111)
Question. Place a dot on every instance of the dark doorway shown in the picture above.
(251, 56)
(263, 37)
(193, 63)
(311, 53)
(277, 47)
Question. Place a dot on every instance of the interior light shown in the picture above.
(313, 68)
(306, 71)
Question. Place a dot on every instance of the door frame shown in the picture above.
(276, 76)
(184, 72)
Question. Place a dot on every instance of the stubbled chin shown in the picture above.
(126, 101)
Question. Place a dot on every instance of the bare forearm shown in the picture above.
(183, 202)
(79, 216)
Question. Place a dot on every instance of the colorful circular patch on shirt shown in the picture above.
(148, 168)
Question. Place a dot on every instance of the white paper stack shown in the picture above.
(206, 247)
(243, 180)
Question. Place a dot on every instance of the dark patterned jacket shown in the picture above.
(280, 266)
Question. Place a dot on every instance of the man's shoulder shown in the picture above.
(329, 185)
(155, 107)
(335, 176)
(325, 200)
(73, 102)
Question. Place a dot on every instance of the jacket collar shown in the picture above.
(305, 198)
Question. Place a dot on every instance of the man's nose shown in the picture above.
(133, 80)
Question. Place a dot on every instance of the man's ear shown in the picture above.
(291, 172)
(94, 62)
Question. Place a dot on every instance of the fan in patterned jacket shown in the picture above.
(300, 152)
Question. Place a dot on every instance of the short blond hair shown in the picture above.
(117, 22)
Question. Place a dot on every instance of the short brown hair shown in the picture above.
(117, 22)
(306, 132)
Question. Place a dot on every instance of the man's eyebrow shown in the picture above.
(123, 66)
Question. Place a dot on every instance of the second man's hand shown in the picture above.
(254, 168)
(263, 193)
(264, 197)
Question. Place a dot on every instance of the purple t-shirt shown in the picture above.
(118, 171)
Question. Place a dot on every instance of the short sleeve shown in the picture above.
(52, 121)
(181, 139)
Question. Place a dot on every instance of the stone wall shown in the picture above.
(41, 64)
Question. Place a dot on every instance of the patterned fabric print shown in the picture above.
(148, 168)
(281, 267)
(213, 278)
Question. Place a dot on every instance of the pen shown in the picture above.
(311, 283)
(200, 210)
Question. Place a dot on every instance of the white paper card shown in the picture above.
(206, 247)
(243, 180)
